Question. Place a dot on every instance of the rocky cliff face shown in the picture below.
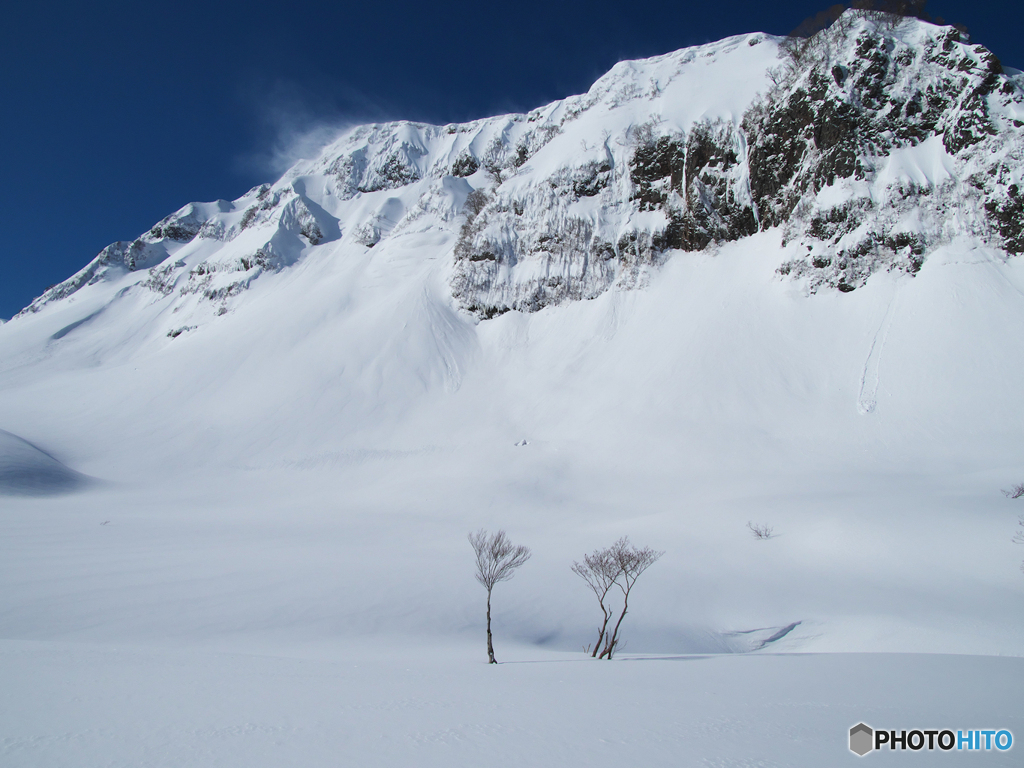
(839, 149)
(867, 145)
(876, 141)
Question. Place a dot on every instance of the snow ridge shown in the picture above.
(867, 146)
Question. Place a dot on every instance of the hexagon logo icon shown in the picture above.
(861, 739)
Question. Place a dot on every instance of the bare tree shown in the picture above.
(494, 159)
(600, 570)
(497, 559)
(475, 202)
(796, 49)
(823, 20)
(761, 531)
(632, 562)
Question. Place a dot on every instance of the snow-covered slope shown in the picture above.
(334, 317)
(728, 284)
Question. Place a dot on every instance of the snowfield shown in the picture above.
(395, 704)
(274, 571)
(238, 465)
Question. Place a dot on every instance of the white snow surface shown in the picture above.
(274, 570)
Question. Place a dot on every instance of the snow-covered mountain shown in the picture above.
(867, 146)
(760, 281)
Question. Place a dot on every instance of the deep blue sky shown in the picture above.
(116, 114)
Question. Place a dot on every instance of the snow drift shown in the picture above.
(27, 470)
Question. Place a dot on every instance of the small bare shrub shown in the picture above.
(761, 531)
(1014, 491)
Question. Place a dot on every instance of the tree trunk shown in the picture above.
(490, 645)
(600, 635)
(610, 648)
